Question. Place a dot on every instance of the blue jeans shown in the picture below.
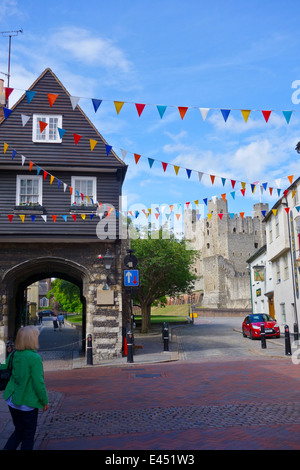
(25, 423)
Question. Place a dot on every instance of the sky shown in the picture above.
(195, 54)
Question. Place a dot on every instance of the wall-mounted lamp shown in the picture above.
(107, 260)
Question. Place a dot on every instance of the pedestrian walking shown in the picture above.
(25, 392)
(61, 321)
(41, 317)
(55, 323)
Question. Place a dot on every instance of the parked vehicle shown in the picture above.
(252, 326)
(46, 313)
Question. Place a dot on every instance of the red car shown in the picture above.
(252, 324)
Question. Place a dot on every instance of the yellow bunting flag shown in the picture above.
(93, 144)
(243, 185)
(294, 193)
(245, 113)
(83, 216)
(209, 216)
(176, 168)
(274, 211)
(118, 105)
(5, 147)
(22, 217)
(51, 179)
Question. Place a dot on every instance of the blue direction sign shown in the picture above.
(131, 277)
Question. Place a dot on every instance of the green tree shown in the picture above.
(66, 294)
(164, 269)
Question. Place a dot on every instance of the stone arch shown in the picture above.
(17, 278)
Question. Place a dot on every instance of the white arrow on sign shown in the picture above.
(129, 276)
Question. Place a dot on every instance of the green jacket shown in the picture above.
(26, 384)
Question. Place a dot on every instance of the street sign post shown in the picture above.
(131, 277)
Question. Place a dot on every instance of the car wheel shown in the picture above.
(244, 334)
(278, 336)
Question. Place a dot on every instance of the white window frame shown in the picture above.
(35, 128)
(74, 193)
(29, 177)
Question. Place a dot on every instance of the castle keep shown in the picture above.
(225, 243)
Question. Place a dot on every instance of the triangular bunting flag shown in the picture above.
(38, 169)
(200, 174)
(266, 115)
(176, 168)
(243, 191)
(10, 217)
(8, 92)
(30, 166)
(83, 216)
(287, 209)
(231, 215)
(51, 179)
(74, 101)
(96, 104)
(52, 98)
(93, 143)
(43, 126)
(223, 197)
(245, 113)
(290, 178)
(161, 110)
(223, 181)
(150, 161)
(108, 149)
(233, 183)
(274, 211)
(212, 177)
(221, 216)
(118, 105)
(65, 217)
(22, 217)
(204, 112)
(253, 186)
(137, 157)
(25, 119)
(44, 217)
(30, 95)
(14, 153)
(164, 165)
(5, 147)
(287, 115)
(74, 217)
(182, 111)
(233, 194)
(263, 213)
(23, 159)
(209, 216)
(225, 113)
(6, 112)
(271, 191)
(54, 218)
(61, 132)
(188, 173)
(33, 218)
(45, 174)
(139, 108)
(77, 138)
(205, 201)
(124, 153)
(242, 214)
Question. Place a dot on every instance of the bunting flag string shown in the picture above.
(287, 114)
(157, 214)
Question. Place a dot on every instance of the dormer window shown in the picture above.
(46, 133)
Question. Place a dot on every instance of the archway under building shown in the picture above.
(18, 278)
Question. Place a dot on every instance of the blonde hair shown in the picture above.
(27, 338)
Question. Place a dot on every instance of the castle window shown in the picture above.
(234, 229)
(255, 245)
(207, 245)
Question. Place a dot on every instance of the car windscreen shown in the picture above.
(260, 317)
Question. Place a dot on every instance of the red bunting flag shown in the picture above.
(242, 214)
(271, 190)
(233, 183)
(43, 126)
(137, 157)
(266, 115)
(139, 108)
(164, 165)
(287, 209)
(8, 91)
(77, 138)
(224, 197)
(30, 166)
(290, 178)
(10, 217)
(54, 218)
(220, 215)
(74, 217)
(243, 191)
(212, 177)
(52, 97)
(182, 110)
(45, 174)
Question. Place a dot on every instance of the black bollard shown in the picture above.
(296, 332)
(129, 338)
(89, 351)
(166, 337)
(263, 336)
(288, 351)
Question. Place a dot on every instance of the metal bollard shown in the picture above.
(288, 351)
(89, 351)
(296, 332)
(166, 337)
(129, 338)
(263, 336)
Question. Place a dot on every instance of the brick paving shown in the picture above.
(168, 402)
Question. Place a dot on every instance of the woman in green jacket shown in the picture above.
(25, 392)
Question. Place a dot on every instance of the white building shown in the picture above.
(282, 240)
(261, 282)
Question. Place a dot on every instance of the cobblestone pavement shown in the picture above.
(237, 397)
